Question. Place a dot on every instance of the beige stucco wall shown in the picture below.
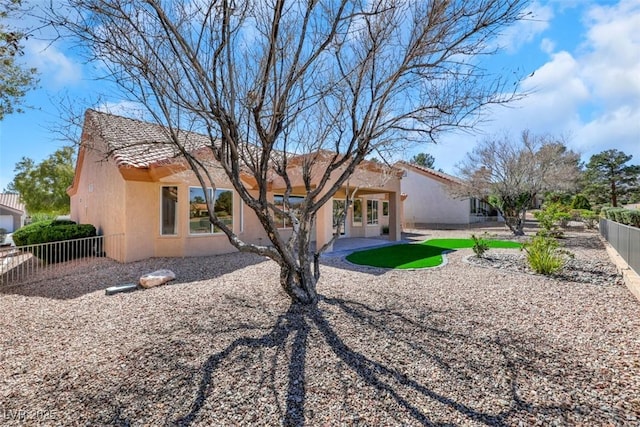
(100, 195)
(133, 208)
(428, 201)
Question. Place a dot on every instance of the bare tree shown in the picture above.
(510, 174)
(335, 80)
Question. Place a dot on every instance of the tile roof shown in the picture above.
(12, 201)
(138, 144)
(428, 171)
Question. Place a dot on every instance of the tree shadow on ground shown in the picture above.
(74, 280)
(463, 357)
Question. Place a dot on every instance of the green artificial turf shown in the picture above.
(418, 255)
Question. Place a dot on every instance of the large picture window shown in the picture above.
(168, 211)
(199, 213)
(372, 212)
(282, 221)
(357, 212)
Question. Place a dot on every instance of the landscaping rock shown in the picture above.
(157, 278)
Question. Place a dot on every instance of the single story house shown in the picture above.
(428, 200)
(12, 212)
(130, 182)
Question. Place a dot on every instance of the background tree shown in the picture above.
(15, 79)
(337, 80)
(43, 186)
(608, 179)
(425, 160)
(511, 173)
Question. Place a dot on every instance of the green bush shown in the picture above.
(550, 217)
(544, 255)
(480, 245)
(614, 214)
(631, 217)
(588, 218)
(55, 231)
(579, 201)
(29, 234)
(3, 235)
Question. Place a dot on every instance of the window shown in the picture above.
(385, 208)
(357, 212)
(223, 208)
(199, 213)
(372, 212)
(168, 210)
(282, 221)
(479, 207)
(338, 216)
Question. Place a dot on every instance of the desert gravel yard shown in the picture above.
(463, 344)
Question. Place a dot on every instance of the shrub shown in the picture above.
(55, 231)
(544, 255)
(550, 217)
(631, 217)
(385, 229)
(480, 245)
(589, 218)
(579, 201)
(28, 234)
(3, 235)
(615, 214)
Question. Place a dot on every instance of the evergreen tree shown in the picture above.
(608, 178)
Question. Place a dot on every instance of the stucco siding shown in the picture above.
(428, 201)
(100, 195)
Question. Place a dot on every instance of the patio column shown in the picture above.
(324, 225)
(395, 205)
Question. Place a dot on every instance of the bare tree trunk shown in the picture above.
(514, 221)
(299, 283)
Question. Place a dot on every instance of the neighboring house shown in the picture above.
(129, 181)
(12, 212)
(428, 201)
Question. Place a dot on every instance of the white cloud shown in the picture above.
(612, 61)
(536, 21)
(56, 69)
(591, 94)
(547, 46)
(618, 129)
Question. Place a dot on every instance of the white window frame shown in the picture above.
(373, 212)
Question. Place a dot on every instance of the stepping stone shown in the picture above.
(127, 287)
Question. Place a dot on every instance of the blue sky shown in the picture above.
(584, 57)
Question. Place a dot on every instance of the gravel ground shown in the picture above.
(463, 345)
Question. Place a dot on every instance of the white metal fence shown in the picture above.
(625, 239)
(18, 263)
